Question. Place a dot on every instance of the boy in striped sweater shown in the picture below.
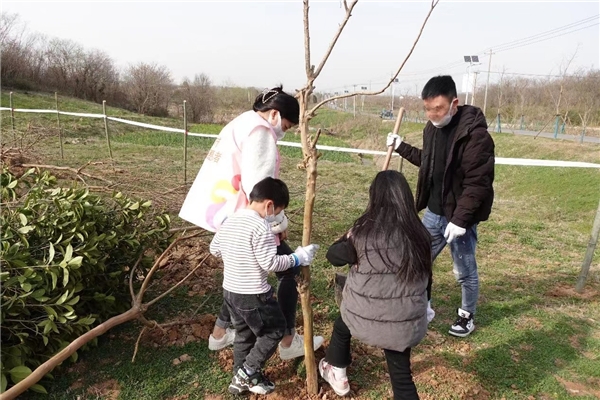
(247, 246)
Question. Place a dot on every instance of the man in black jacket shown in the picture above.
(456, 173)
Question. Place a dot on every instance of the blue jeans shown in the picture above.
(463, 256)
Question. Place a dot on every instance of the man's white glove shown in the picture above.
(305, 255)
(453, 231)
(280, 224)
(390, 140)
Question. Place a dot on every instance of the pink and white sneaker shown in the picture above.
(336, 377)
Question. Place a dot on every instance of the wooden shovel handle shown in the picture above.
(388, 157)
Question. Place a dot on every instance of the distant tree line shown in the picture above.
(31, 61)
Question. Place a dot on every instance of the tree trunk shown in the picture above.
(309, 152)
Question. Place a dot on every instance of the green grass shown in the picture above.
(535, 336)
(148, 378)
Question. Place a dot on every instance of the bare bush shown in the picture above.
(148, 88)
(18, 51)
(200, 97)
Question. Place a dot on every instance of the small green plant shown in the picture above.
(65, 255)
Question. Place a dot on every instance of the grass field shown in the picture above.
(535, 339)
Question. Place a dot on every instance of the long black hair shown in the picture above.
(277, 99)
(391, 227)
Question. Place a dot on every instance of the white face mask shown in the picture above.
(270, 218)
(445, 120)
(277, 127)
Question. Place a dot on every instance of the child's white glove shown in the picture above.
(280, 224)
(305, 255)
(390, 140)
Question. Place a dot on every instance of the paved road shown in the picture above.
(587, 139)
(492, 127)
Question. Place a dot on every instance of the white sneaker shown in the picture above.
(430, 312)
(336, 377)
(296, 348)
(226, 340)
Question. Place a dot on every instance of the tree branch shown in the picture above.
(317, 136)
(189, 228)
(137, 343)
(157, 263)
(131, 273)
(309, 72)
(75, 171)
(178, 283)
(434, 3)
(334, 41)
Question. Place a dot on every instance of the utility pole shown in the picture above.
(362, 106)
(468, 82)
(392, 90)
(474, 87)
(345, 102)
(354, 100)
(487, 83)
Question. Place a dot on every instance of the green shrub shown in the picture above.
(66, 254)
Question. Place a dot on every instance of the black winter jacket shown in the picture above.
(467, 189)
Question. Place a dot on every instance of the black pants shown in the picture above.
(287, 295)
(338, 355)
(429, 284)
(259, 326)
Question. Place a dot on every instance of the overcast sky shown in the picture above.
(261, 43)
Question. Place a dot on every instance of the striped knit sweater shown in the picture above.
(249, 252)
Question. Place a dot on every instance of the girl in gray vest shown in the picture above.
(385, 296)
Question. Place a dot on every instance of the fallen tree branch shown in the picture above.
(135, 312)
(175, 189)
(146, 281)
(202, 304)
(137, 343)
(65, 353)
(188, 228)
(178, 283)
(75, 171)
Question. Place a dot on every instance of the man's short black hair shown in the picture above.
(271, 189)
(442, 85)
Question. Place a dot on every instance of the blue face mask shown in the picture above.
(270, 218)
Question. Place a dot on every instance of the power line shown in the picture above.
(546, 38)
(545, 33)
(514, 44)
(523, 74)
(519, 43)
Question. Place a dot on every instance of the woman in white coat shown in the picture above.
(245, 153)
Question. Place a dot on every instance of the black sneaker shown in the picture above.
(464, 324)
(255, 383)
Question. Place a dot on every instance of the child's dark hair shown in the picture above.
(277, 99)
(391, 225)
(271, 189)
(442, 85)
